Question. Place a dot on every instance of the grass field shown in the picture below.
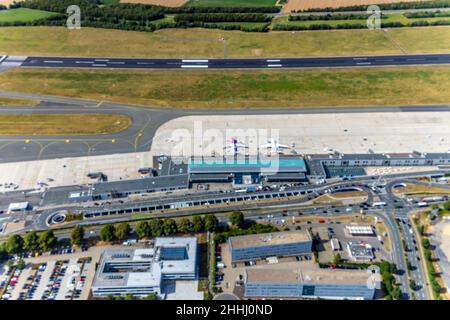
(414, 189)
(196, 43)
(23, 15)
(231, 3)
(233, 88)
(59, 124)
(17, 102)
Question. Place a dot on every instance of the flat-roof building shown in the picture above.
(277, 244)
(142, 271)
(360, 251)
(360, 230)
(308, 281)
(224, 168)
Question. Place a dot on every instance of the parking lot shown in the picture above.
(63, 275)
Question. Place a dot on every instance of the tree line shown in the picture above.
(341, 16)
(222, 17)
(387, 6)
(426, 14)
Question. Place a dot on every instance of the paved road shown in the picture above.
(269, 63)
(138, 137)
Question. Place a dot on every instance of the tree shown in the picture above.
(211, 223)
(396, 293)
(21, 264)
(447, 205)
(185, 225)
(151, 296)
(169, 227)
(337, 259)
(156, 226)
(237, 219)
(129, 296)
(412, 284)
(143, 229)
(14, 244)
(77, 235)
(31, 241)
(123, 230)
(198, 224)
(108, 233)
(47, 240)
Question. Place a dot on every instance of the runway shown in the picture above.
(269, 63)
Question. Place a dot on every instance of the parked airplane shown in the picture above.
(274, 146)
(234, 146)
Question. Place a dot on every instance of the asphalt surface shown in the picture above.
(139, 136)
(269, 63)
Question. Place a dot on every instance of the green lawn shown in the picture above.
(231, 3)
(23, 15)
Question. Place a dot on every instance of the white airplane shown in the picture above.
(274, 146)
(234, 146)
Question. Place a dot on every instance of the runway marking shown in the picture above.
(416, 59)
(274, 65)
(84, 62)
(201, 61)
(101, 60)
(363, 63)
(116, 62)
(194, 66)
(99, 65)
(144, 63)
(273, 60)
(359, 58)
(53, 61)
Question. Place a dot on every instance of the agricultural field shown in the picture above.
(23, 15)
(295, 5)
(241, 89)
(57, 124)
(165, 3)
(231, 3)
(388, 18)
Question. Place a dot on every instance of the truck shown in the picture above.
(422, 204)
(379, 204)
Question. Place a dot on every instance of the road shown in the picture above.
(267, 63)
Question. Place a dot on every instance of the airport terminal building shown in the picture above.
(260, 246)
(247, 170)
(307, 282)
(142, 271)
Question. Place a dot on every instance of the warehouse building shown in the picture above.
(307, 282)
(142, 271)
(124, 188)
(261, 246)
